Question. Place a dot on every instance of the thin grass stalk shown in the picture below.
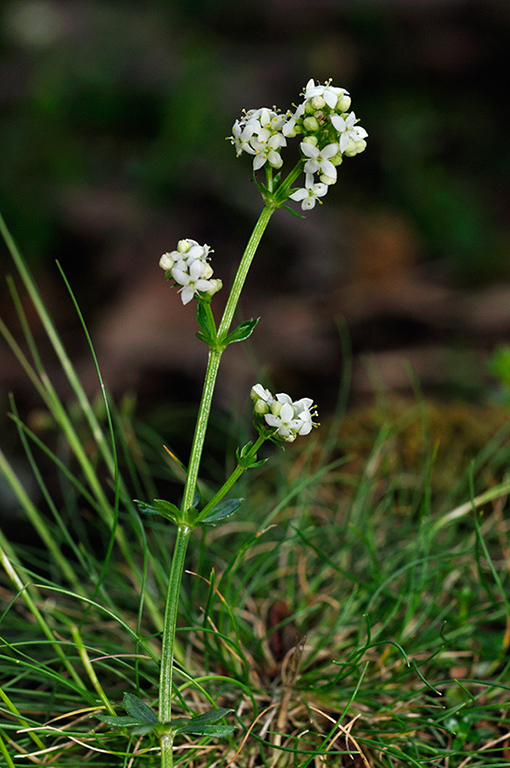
(54, 338)
(49, 396)
(6, 755)
(38, 522)
(24, 591)
(90, 669)
(19, 717)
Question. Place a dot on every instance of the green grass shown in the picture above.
(353, 613)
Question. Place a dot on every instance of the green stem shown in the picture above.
(213, 364)
(170, 623)
(242, 271)
(232, 480)
(167, 750)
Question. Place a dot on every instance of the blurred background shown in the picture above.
(113, 118)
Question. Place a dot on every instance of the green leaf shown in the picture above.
(204, 338)
(160, 507)
(212, 716)
(204, 725)
(293, 212)
(242, 332)
(207, 333)
(124, 721)
(223, 510)
(242, 452)
(202, 318)
(214, 731)
(139, 710)
(257, 463)
(140, 730)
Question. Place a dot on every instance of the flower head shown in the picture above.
(327, 131)
(189, 266)
(288, 419)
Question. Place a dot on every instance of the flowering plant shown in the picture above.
(327, 133)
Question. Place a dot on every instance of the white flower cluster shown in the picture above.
(289, 418)
(190, 268)
(329, 132)
(260, 132)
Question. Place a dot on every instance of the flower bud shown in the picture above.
(216, 285)
(343, 103)
(276, 162)
(351, 149)
(318, 102)
(292, 131)
(183, 246)
(276, 407)
(313, 140)
(329, 180)
(260, 408)
(311, 124)
(207, 271)
(166, 262)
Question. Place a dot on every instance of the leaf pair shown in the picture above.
(209, 335)
(169, 511)
(142, 719)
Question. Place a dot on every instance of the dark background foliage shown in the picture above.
(113, 124)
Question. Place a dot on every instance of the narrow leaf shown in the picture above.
(120, 720)
(140, 730)
(258, 463)
(202, 318)
(211, 717)
(222, 511)
(203, 337)
(139, 709)
(214, 731)
(242, 332)
(207, 333)
(160, 507)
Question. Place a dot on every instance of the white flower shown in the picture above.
(258, 392)
(270, 120)
(303, 411)
(241, 135)
(196, 252)
(326, 92)
(348, 129)
(191, 278)
(286, 424)
(309, 195)
(267, 148)
(262, 399)
(319, 160)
